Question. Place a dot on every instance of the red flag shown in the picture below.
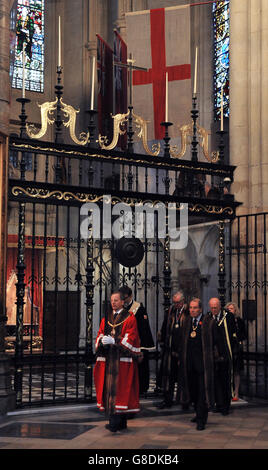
(120, 81)
(105, 87)
(159, 40)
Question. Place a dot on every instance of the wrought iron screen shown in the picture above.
(247, 272)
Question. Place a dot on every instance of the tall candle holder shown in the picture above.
(58, 120)
(166, 138)
(221, 146)
(130, 131)
(23, 117)
(58, 123)
(194, 114)
(92, 127)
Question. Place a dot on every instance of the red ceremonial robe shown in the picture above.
(116, 370)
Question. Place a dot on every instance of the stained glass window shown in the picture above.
(30, 31)
(221, 56)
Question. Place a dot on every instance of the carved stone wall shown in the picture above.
(4, 66)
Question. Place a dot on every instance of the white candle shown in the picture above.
(23, 71)
(130, 61)
(166, 114)
(221, 108)
(195, 70)
(92, 83)
(59, 50)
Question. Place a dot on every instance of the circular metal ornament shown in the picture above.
(129, 251)
(193, 334)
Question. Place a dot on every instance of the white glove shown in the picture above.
(107, 340)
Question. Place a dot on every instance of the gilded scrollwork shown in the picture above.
(131, 201)
(141, 125)
(211, 209)
(185, 131)
(71, 113)
(119, 121)
(46, 109)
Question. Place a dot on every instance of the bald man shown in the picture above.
(226, 343)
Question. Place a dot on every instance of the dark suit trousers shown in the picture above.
(195, 373)
(173, 378)
(222, 387)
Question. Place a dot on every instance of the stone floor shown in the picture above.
(82, 427)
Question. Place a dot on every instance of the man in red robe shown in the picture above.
(116, 370)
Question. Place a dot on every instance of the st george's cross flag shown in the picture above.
(159, 40)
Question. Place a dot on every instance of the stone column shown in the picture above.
(264, 100)
(248, 102)
(248, 131)
(7, 397)
(4, 67)
(126, 6)
(239, 99)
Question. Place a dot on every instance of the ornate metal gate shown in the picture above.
(59, 281)
(247, 286)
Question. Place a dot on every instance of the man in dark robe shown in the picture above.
(169, 342)
(145, 334)
(227, 344)
(116, 369)
(197, 355)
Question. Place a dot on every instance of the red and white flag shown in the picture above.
(159, 40)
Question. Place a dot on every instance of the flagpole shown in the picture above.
(202, 3)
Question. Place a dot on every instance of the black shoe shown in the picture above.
(194, 420)
(107, 426)
(216, 410)
(200, 426)
(225, 412)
